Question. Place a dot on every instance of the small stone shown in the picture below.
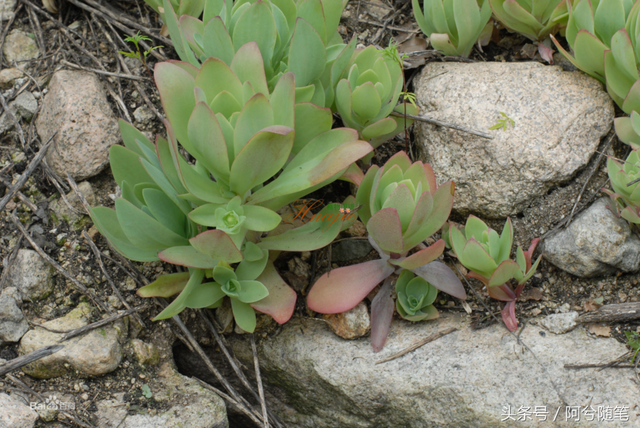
(13, 325)
(145, 353)
(31, 275)
(130, 284)
(7, 77)
(298, 267)
(18, 46)
(6, 9)
(77, 107)
(15, 413)
(114, 302)
(351, 324)
(356, 230)
(560, 323)
(350, 249)
(24, 106)
(92, 354)
(596, 243)
(85, 396)
(143, 114)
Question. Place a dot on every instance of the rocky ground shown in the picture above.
(62, 81)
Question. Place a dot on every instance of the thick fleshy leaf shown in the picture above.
(126, 166)
(381, 315)
(310, 121)
(476, 258)
(252, 291)
(501, 292)
(256, 24)
(281, 300)
(252, 269)
(129, 136)
(106, 221)
(215, 77)
(364, 194)
(165, 285)
(381, 127)
(402, 200)
(178, 304)
(426, 313)
(441, 277)
(366, 101)
(261, 158)
(165, 211)
(307, 55)
(256, 115)
(143, 230)
(283, 101)
(504, 272)
(176, 86)
(422, 226)
(509, 316)
(217, 245)
(247, 65)
(342, 289)
(318, 232)
(475, 228)
(244, 315)
(188, 256)
(217, 42)
(204, 295)
(421, 257)
(179, 41)
(384, 226)
(260, 219)
(207, 138)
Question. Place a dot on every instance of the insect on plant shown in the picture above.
(142, 56)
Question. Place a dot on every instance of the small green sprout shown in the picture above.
(410, 97)
(503, 122)
(142, 56)
(146, 391)
(633, 340)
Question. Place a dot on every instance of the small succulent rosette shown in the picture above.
(486, 254)
(370, 93)
(453, 26)
(401, 206)
(626, 193)
(415, 297)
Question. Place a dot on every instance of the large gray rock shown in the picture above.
(13, 325)
(14, 413)
(559, 118)
(193, 405)
(77, 107)
(464, 379)
(596, 243)
(91, 354)
(18, 46)
(31, 275)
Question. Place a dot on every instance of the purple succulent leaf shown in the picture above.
(374, 244)
(502, 292)
(382, 308)
(342, 289)
(509, 316)
(442, 277)
(281, 300)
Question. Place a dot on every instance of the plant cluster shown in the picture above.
(249, 124)
(487, 257)
(625, 180)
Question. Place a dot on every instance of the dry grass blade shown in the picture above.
(23, 360)
(256, 365)
(104, 73)
(432, 121)
(418, 345)
(26, 174)
(93, 326)
(12, 259)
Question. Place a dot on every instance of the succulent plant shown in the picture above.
(242, 135)
(486, 255)
(590, 28)
(453, 26)
(626, 197)
(401, 206)
(415, 297)
(534, 19)
(370, 93)
(299, 37)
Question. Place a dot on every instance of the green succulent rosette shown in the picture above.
(534, 19)
(415, 297)
(453, 26)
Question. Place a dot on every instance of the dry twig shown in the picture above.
(256, 365)
(422, 342)
(432, 121)
(23, 360)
